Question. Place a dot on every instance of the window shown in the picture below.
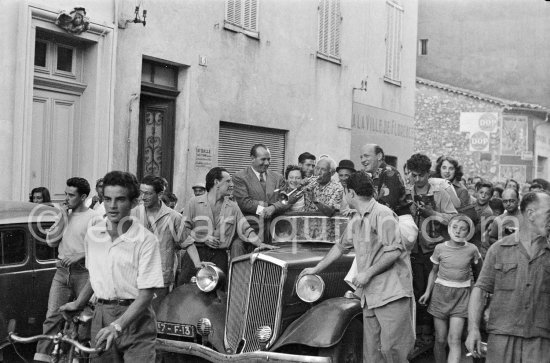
(236, 140)
(423, 47)
(64, 59)
(330, 20)
(242, 16)
(42, 251)
(393, 42)
(57, 56)
(40, 53)
(159, 74)
(13, 247)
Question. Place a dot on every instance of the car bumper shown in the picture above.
(211, 355)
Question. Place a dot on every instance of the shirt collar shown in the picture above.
(369, 207)
(256, 173)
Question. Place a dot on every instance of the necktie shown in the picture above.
(262, 181)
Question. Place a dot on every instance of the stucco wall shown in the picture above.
(276, 81)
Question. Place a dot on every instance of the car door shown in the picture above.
(16, 276)
(44, 259)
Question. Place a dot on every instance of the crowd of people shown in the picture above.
(476, 245)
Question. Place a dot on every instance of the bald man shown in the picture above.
(388, 184)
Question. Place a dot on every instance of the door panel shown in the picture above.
(156, 138)
(55, 117)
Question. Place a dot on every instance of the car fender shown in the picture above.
(186, 304)
(323, 325)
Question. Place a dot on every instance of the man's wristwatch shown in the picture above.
(117, 327)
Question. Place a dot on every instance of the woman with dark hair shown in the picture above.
(511, 183)
(449, 169)
(293, 178)
(40, 195)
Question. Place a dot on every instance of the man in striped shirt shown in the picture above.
(123, 260)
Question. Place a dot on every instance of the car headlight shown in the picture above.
(310, 288)
(209, 277)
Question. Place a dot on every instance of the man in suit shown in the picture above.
(255, 187)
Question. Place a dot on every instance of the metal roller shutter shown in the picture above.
(237, 139)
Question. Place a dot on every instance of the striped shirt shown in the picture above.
(120, 268)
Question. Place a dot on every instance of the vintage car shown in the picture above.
(27, 266)
(263, 313)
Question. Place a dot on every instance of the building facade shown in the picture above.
(198, 84)
(491, 137)
(496, 47)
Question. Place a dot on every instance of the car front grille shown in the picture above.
(254, 300)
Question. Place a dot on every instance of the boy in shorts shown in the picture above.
(449, 286)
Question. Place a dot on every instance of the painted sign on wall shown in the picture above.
(479, 126)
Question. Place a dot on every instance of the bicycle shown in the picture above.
(68, 346)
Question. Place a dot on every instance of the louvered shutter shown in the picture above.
(236, 140)
(393, 40)
(250, 15)
(231, 14)
(329, 28)
(242, 13)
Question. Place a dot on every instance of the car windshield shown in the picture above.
(307, 227)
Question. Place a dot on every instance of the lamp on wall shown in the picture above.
(123, 23)
(138, 19)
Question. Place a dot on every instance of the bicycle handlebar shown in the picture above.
(36, 338)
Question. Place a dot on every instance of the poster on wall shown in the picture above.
(514, 137)
(516, 172)
(479, 126)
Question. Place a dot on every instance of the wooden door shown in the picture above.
(55, 119)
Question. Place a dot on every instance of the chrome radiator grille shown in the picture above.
(254, 300)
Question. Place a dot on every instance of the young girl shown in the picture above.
(449, 286)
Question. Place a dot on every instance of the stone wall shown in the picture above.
(437, 121)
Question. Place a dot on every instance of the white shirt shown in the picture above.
(120, 268)
(258, 174)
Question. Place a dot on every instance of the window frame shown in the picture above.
(8, 228)
(423, 47)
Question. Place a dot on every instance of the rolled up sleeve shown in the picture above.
(389, 233)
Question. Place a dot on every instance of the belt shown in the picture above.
(122, 302)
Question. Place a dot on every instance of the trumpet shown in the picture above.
(307, 184)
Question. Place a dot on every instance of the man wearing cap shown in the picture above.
(344, 170)
(198, 189)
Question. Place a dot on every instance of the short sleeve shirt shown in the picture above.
(120, 268)
(329, 194)
(520, 284)
(455, 263)
(372, 235)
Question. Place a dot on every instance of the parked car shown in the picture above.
(264, 313)
(27, 266)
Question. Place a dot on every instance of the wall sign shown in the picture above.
(203, 158)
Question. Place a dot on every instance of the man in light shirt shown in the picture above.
(123, 259)
(71, 275)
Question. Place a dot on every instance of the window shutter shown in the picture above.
(242, 13)
(236, 140)
(231, 13)
(250, 14)
(393, 40)
(329, 28)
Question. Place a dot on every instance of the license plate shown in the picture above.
(180, 330)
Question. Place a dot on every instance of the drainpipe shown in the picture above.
(133, 98)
